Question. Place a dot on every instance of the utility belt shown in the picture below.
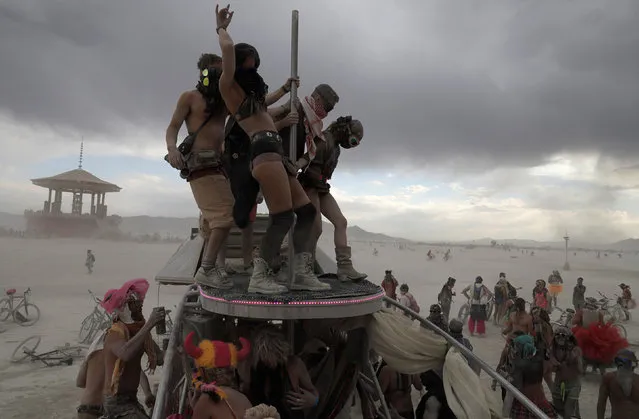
(198, 162)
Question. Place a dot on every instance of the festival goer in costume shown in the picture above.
(519, 320)
(527, 374)
(126, 341)
(199, 160)
(626, 300)
(455, 328)
(215, 376)
(445, 296)
(541, 297)
(437, 318)
(277, 377)
(317, 166)
(501, 296)
(579, 294)
(91, 376)
(430, 255)
(237, 159)
(478, 302)
(407, 300)
(389, 285)
(244, 93)
(621, 388)
(566, 362)
(89, 261)
(555, 286)
(396, 388)
(598, 341)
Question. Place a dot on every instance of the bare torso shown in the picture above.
(260, 121)
(130, 379)
(622, 406)
(520, 322)
(397, 388)
(94, 385)
(206, 408)
(568, 368)
(211, 136)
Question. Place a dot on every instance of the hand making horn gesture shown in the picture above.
(223, 17)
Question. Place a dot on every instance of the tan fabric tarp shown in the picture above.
(410, 349)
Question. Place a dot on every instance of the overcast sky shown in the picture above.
(508, 119)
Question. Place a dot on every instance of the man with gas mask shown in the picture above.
(567, 363)
(621, 388)
(318, 165)
(199, 159)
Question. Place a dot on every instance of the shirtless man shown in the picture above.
(125, 343)
(91, 379)
(567, 363)
(519, 320)
(621, 387)
(204, 112)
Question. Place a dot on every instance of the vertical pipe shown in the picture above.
(293, 137)
(295, 20)
(380, 393)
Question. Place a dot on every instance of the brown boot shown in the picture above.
(345, 270)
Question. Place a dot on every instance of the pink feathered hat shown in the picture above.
(114, 299)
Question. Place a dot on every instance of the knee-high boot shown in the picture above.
(345, 269)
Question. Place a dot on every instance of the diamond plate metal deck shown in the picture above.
(342, 300)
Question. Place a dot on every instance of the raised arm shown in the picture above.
(223, 17)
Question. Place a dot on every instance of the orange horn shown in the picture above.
(246, 349)
(192, 350)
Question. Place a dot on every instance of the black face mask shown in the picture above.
(343, 134)
(209, 88)
(251, 82)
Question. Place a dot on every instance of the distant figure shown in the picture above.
(445, 297)
(407, 300)
(626, 301)
(430, 255)
(541, 297)
(579, 294)
(478, 302)
(447, 255)
(375, 252)
(90, 261)
(555, 286)
(389, 285)
(621, 388)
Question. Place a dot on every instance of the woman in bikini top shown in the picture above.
(244, 93)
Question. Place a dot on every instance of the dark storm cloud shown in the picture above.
(488, 83)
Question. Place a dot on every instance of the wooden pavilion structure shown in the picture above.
(51, 221)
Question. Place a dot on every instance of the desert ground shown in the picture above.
(54, 269)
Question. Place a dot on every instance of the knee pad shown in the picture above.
(284, 219)
(306, 213)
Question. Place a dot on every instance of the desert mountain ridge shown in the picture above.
(180, 227)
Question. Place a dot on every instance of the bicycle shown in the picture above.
(24, 313)
(610, 313)
(464, 310)
(95, 322)
(565, 318)
(62, 355)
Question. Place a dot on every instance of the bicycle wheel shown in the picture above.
(5, 310)
(26, 348)
(618, 314)
(621, 329)
(489, 309)
(464, 312)
(86, 330)
(27, 314)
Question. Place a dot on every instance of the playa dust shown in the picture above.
(54, 269)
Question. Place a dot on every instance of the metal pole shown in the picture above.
(174, 341)
(293, 137)
(484, 366)
(380, 393)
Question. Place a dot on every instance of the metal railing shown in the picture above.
(469, 354)
(159, 412)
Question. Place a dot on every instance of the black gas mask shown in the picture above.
(209, 87)
(348, 132)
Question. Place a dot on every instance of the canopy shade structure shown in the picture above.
(76, 180)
